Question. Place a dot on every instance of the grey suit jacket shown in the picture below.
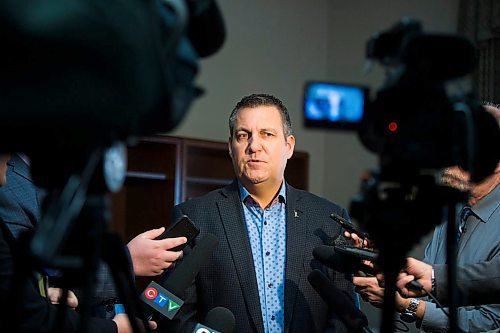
(228, 279)
(479, 283)
(481, 242)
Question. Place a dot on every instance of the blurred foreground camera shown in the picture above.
(77, 75)
(414, 126)
(80, 79)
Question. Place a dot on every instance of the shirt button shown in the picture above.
(268, 253)
(270, 285)
(272, 317)
(265, 222)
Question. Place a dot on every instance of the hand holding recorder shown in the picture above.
(156, 250)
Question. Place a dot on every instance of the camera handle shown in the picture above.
(451, 256)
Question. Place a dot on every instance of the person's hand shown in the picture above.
(414, 270)
(55, 294)
(123, 324)
(357, 241)
(151, 257)
(401, 303)
(369, 290)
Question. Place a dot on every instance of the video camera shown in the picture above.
(414, 125)
(418, 129)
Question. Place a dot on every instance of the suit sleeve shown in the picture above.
(470, 319)
(480, 282)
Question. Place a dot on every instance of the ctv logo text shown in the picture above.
(160, 299)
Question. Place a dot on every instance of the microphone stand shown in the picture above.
(453, 198)
(391, 260)
(452, 250)
(410, 214)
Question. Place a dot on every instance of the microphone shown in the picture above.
(332, 258)
(353, 319)
(217, 320)
(167, 296)
(206, 29)
(357, 252)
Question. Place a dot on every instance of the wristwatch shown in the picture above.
(409, 315)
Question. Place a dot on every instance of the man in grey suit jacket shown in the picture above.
(478, 242)
(267, 231)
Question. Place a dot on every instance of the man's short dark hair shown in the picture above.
(255, 100)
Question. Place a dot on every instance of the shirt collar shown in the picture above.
(244, 194)
(485, 208)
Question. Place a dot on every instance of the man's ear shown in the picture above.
(290, 142)
(229, 147)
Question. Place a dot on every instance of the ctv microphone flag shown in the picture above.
(161, 300)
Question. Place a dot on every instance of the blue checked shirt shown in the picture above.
(267, 233)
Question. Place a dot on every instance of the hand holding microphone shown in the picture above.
(415, 271)
(167, 296)
(339, 261)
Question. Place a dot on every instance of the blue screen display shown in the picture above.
(329, 102)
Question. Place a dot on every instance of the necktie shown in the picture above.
(464, 215)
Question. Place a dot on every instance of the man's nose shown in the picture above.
(254, 144)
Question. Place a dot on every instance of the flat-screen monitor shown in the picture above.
(334, 105)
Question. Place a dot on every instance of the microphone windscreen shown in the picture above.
(340, 303)
(183, 274)
(220, 319)
(326, 255)
(340, 262)
(342, 241)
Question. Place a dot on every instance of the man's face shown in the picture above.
(4, 158)
(258, 146)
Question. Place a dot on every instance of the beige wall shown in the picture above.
(272, 47)
(275, 46)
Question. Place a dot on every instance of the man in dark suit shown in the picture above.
(267, 231)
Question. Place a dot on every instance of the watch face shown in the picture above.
(410, 314)
(115, 166)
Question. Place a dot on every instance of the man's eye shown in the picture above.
(240, 136)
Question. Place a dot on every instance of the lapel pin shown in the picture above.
(295, 214)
